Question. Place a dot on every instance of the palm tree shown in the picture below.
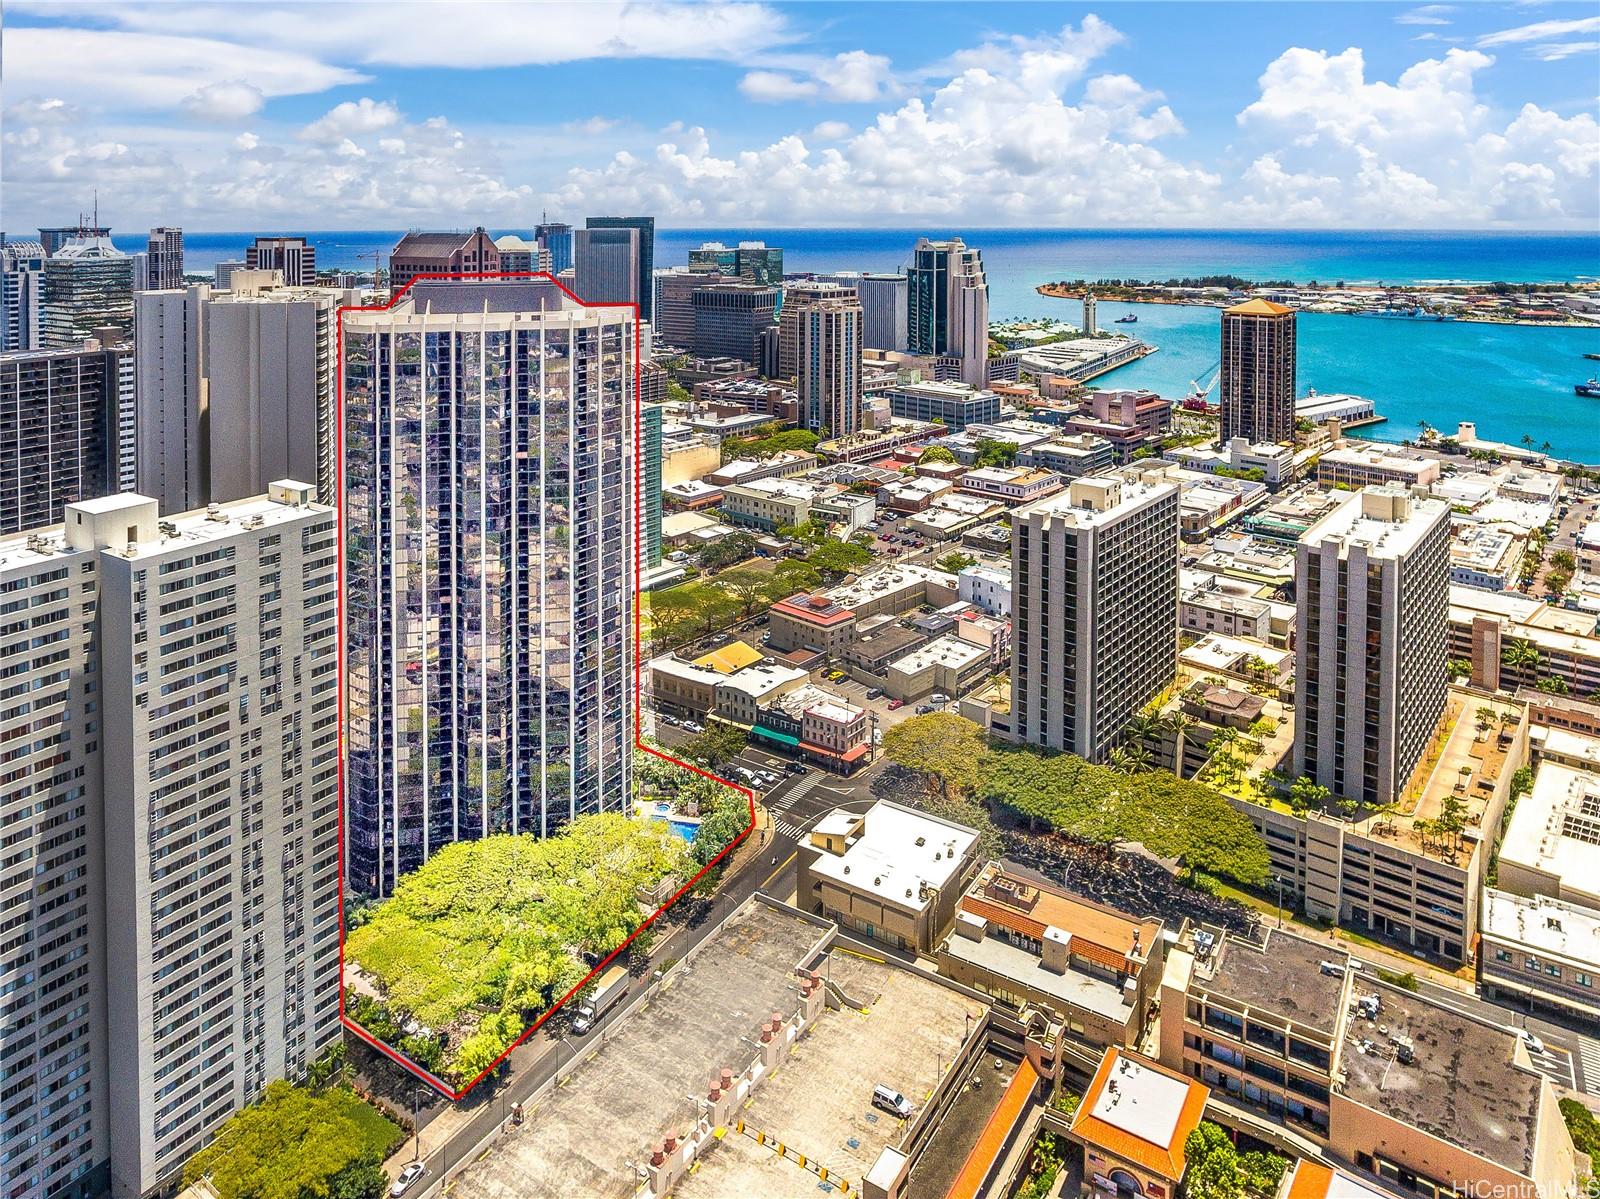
(1129, 759)
(1520, 653)
(1178, 724)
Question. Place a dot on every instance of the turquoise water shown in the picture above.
(1512, 381)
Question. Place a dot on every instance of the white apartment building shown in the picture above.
(989, 587)
(1094, 610)
(1372, 581)
(180, 825)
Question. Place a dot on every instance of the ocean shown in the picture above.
(1512, 381)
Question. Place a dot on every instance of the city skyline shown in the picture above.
(1318, 115)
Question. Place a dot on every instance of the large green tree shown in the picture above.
(294, 1143)
(946, 749)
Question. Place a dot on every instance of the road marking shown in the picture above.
(1589, 1052)
(781, 868)
(787, 829)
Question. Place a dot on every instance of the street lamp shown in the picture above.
(416, 1124)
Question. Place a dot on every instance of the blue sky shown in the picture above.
(228, 116)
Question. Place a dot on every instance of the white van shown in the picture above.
(891, 1101)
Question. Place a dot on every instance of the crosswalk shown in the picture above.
(1589, 1054)
(787, 829)
(799, 791)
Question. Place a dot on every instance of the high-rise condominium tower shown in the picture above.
(66, 430)
(165, 250)
(1372, 584)
(88, 285)
(489, 502)
(826, 325)
(173, 782)
(236, 389)
(645, 265)
(650, 456)
(21, 278)
(947, 307)
(294, 256)
(1094, 610)
(1258, 355)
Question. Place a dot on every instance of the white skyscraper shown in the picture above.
(176, 802)
(488, 436)
(1094, 610)
(1372, 585)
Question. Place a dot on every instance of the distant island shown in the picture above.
(1541, 304)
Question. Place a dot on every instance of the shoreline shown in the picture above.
(1121, 295)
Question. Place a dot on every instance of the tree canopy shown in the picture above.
(946, 749)
(294, 1143)
(488, 933)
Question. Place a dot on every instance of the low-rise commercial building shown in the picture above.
(1031, 945)
(1071, 455)
(988, 587)
(1361, 466)
(893, 874)
(1134, 1123)
(1010, 485)
(949, 516)
(1514, 641)
(948, 665)
(1486, 558)
(953, 405)
(1551, 845)
(1541, 953)
(812, 622)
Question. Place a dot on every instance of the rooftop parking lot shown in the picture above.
(819, 1102)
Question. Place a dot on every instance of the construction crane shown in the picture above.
(1197, 393)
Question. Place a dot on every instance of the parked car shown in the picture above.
(939, 697)
(892, 1101)
(875, 693)
(924, 709)
(407, 1179)
(1534, 1044)
(894, 704)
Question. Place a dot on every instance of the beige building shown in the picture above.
(1030, 945)
(893, 875)
(1371, 581)
(1094, 610)
(1363, 466)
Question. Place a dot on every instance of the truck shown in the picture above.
(609, 988)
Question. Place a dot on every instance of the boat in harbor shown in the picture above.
(1595, 357)
(1590, 389)
(1130, 319)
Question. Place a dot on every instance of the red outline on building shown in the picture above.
(432, 1080)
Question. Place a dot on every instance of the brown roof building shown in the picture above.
(454, 253)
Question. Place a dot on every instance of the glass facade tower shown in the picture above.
(489, 507)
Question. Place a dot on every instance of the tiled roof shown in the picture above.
(1166, 1160)
(996, 1134)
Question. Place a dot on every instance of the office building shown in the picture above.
(953, 405)
(236, 389)
(165, 259)
(650, 457)
(66, 430)
(883, 306)
(1372, 580)
(673, 304)
(644, 255)
(54, 238)
(87, 286)
(557, 238)
(222, 274)
(729, 319)
(826, 320)
(750, 261)
(1094, 610)
(1258, 361)
(294, 256)
(947, 306)
(140, 264)
(160, 994)
(489, 570)
(454, 253)
(21, 281)
(520, 256)
(605, 265)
